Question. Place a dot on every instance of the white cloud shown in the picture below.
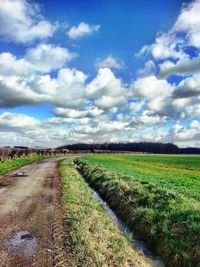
(48, 57)
(186, 133)
(10, 65)
(149, 117)
(156, 91)
(42, 58)
(89, 112)
(192, 111)
(189, 87)
(66, 90)
(184, 66)
(110, 62)
(22, 22)
(105, 83)
(10, 120)
(102, 128)
(22, 81)
(107, 102)
(136, 106)
(170, 44)
(164, 47)
(81, 30)
(35, 88)
(189, 22)
(148, 70)
(107, 90)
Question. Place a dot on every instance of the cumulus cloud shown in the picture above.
(149, 117)
(189, 22)
(189, 87)
(110, 62)
(156, 91)
(184, 66)
(48, 57)
(105, 127)
(170, 44)
(148, 70)
(89, 112)
(24, 80)
(42, 58)
(13, 121)
(107, 90)
(187, 133)
(171, 57)
(164, 47)
(81, 30)
(21, 21)
(60, 91)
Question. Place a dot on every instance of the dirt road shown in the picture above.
(31, 224)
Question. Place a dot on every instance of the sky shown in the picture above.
(99, 71)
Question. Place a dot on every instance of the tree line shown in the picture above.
(139, 147)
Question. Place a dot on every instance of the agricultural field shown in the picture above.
(157, 196)
(177, 173)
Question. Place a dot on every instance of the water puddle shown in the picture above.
(22, 243)
(20, 174)
(137, 244)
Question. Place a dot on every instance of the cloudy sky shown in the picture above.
(99, 71)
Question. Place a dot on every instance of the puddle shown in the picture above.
(20, 174)
(137, 244)
(23, 243)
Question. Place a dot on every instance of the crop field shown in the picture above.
(179, 173)
(157, 196)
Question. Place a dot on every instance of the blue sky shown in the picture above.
(99, 71)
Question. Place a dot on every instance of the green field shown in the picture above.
(156, 195)
(178, 173)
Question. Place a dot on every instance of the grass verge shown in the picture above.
(9, 165)
(92, 238)
(168, 222)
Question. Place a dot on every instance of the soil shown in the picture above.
(31, 216)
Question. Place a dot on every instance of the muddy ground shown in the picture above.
(31, 217)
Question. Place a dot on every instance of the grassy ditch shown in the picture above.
(92, 238)
(9, 165)
(167, 221)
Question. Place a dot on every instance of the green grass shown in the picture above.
(92, 239)
(8, 165)
(178, 173)
(157, 196)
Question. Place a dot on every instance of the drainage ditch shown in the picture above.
(137, 244)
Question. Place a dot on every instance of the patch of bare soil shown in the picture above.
(31, 216)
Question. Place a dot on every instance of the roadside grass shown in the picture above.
(9, 165)
(169, 222)
(92, 238)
